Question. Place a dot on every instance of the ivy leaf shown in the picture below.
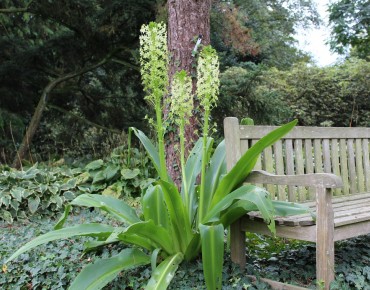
(94, 165)
(33, 204)
(17, 193)
(129, 174)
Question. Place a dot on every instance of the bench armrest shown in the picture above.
(325, 180)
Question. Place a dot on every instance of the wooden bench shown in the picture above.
(325, 168)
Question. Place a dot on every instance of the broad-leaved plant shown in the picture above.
(175, 225)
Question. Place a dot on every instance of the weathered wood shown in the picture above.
(335, 162)
(344, 165)
(298, 233)
(304, 155)
(314, 179)
(232, 142)
(309, 164)
(277, 285)
(351, 167)
(233, 154)
(324, 237)
(299, 165)
(258, 165)
(268, 165)
(326, 155)
(318, 156)
(237, 247)
(365, 152)
(359, 166)
(257, 132)
(279, 164)
(290, 168)
(351, 230)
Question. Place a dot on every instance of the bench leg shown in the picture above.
(237, 246)
(324, 238)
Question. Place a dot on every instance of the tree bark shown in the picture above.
(36, 118)
(187, 21)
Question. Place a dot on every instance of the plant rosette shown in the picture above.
(175, 225)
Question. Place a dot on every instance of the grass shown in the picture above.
(54, 266)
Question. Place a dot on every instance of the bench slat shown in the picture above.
(299, 165)
(303, 132)
(318, 156)
(365, 151)
(326, 155)
(290, 167)
(279, 164)
(359, 166)
(344, 165)
(351, 166)
(335, 161)
(268, 165)
(347, 210)
(309, 164)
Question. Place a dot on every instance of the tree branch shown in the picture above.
(83, 119)
(16, 10)
(125, 63)
(36, 118)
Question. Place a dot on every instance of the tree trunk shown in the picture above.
(187, 21)
(36, 118)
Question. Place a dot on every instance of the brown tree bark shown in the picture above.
(187, 21)
(36, 118)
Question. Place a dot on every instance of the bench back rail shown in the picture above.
(341, 151)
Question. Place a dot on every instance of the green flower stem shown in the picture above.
(204, 165)
(161, 149)
(182, 161)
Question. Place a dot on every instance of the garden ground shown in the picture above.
(54, 265)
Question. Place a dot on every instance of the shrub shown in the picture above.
(42, 191)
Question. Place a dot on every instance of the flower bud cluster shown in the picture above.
(181, 98)
(208, 81)
(154, 61)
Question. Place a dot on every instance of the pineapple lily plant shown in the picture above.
(175, 225)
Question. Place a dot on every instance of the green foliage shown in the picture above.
(334, 96)
(245, 91)
(263, 29)
(36, 191)
(44, 190)
(54, 38)
(350, 22)
(53, 266)
(316, 96)
(178, 226)
(275, 258)
(125, 173)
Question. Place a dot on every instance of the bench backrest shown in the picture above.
(342, 151)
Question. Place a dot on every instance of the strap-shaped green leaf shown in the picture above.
(154, 207)
(212, 254)
(93, 230)
(63, 218)
(151, 150)
(96, 276)
(251, 193)
(180, 223)
(164, 272)
(158, 234)
(215, 171)
(246, 163)
(115, 207)
(192, 171)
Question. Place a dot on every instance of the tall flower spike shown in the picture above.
(181, 98)
(208, 81)
(154, 61)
